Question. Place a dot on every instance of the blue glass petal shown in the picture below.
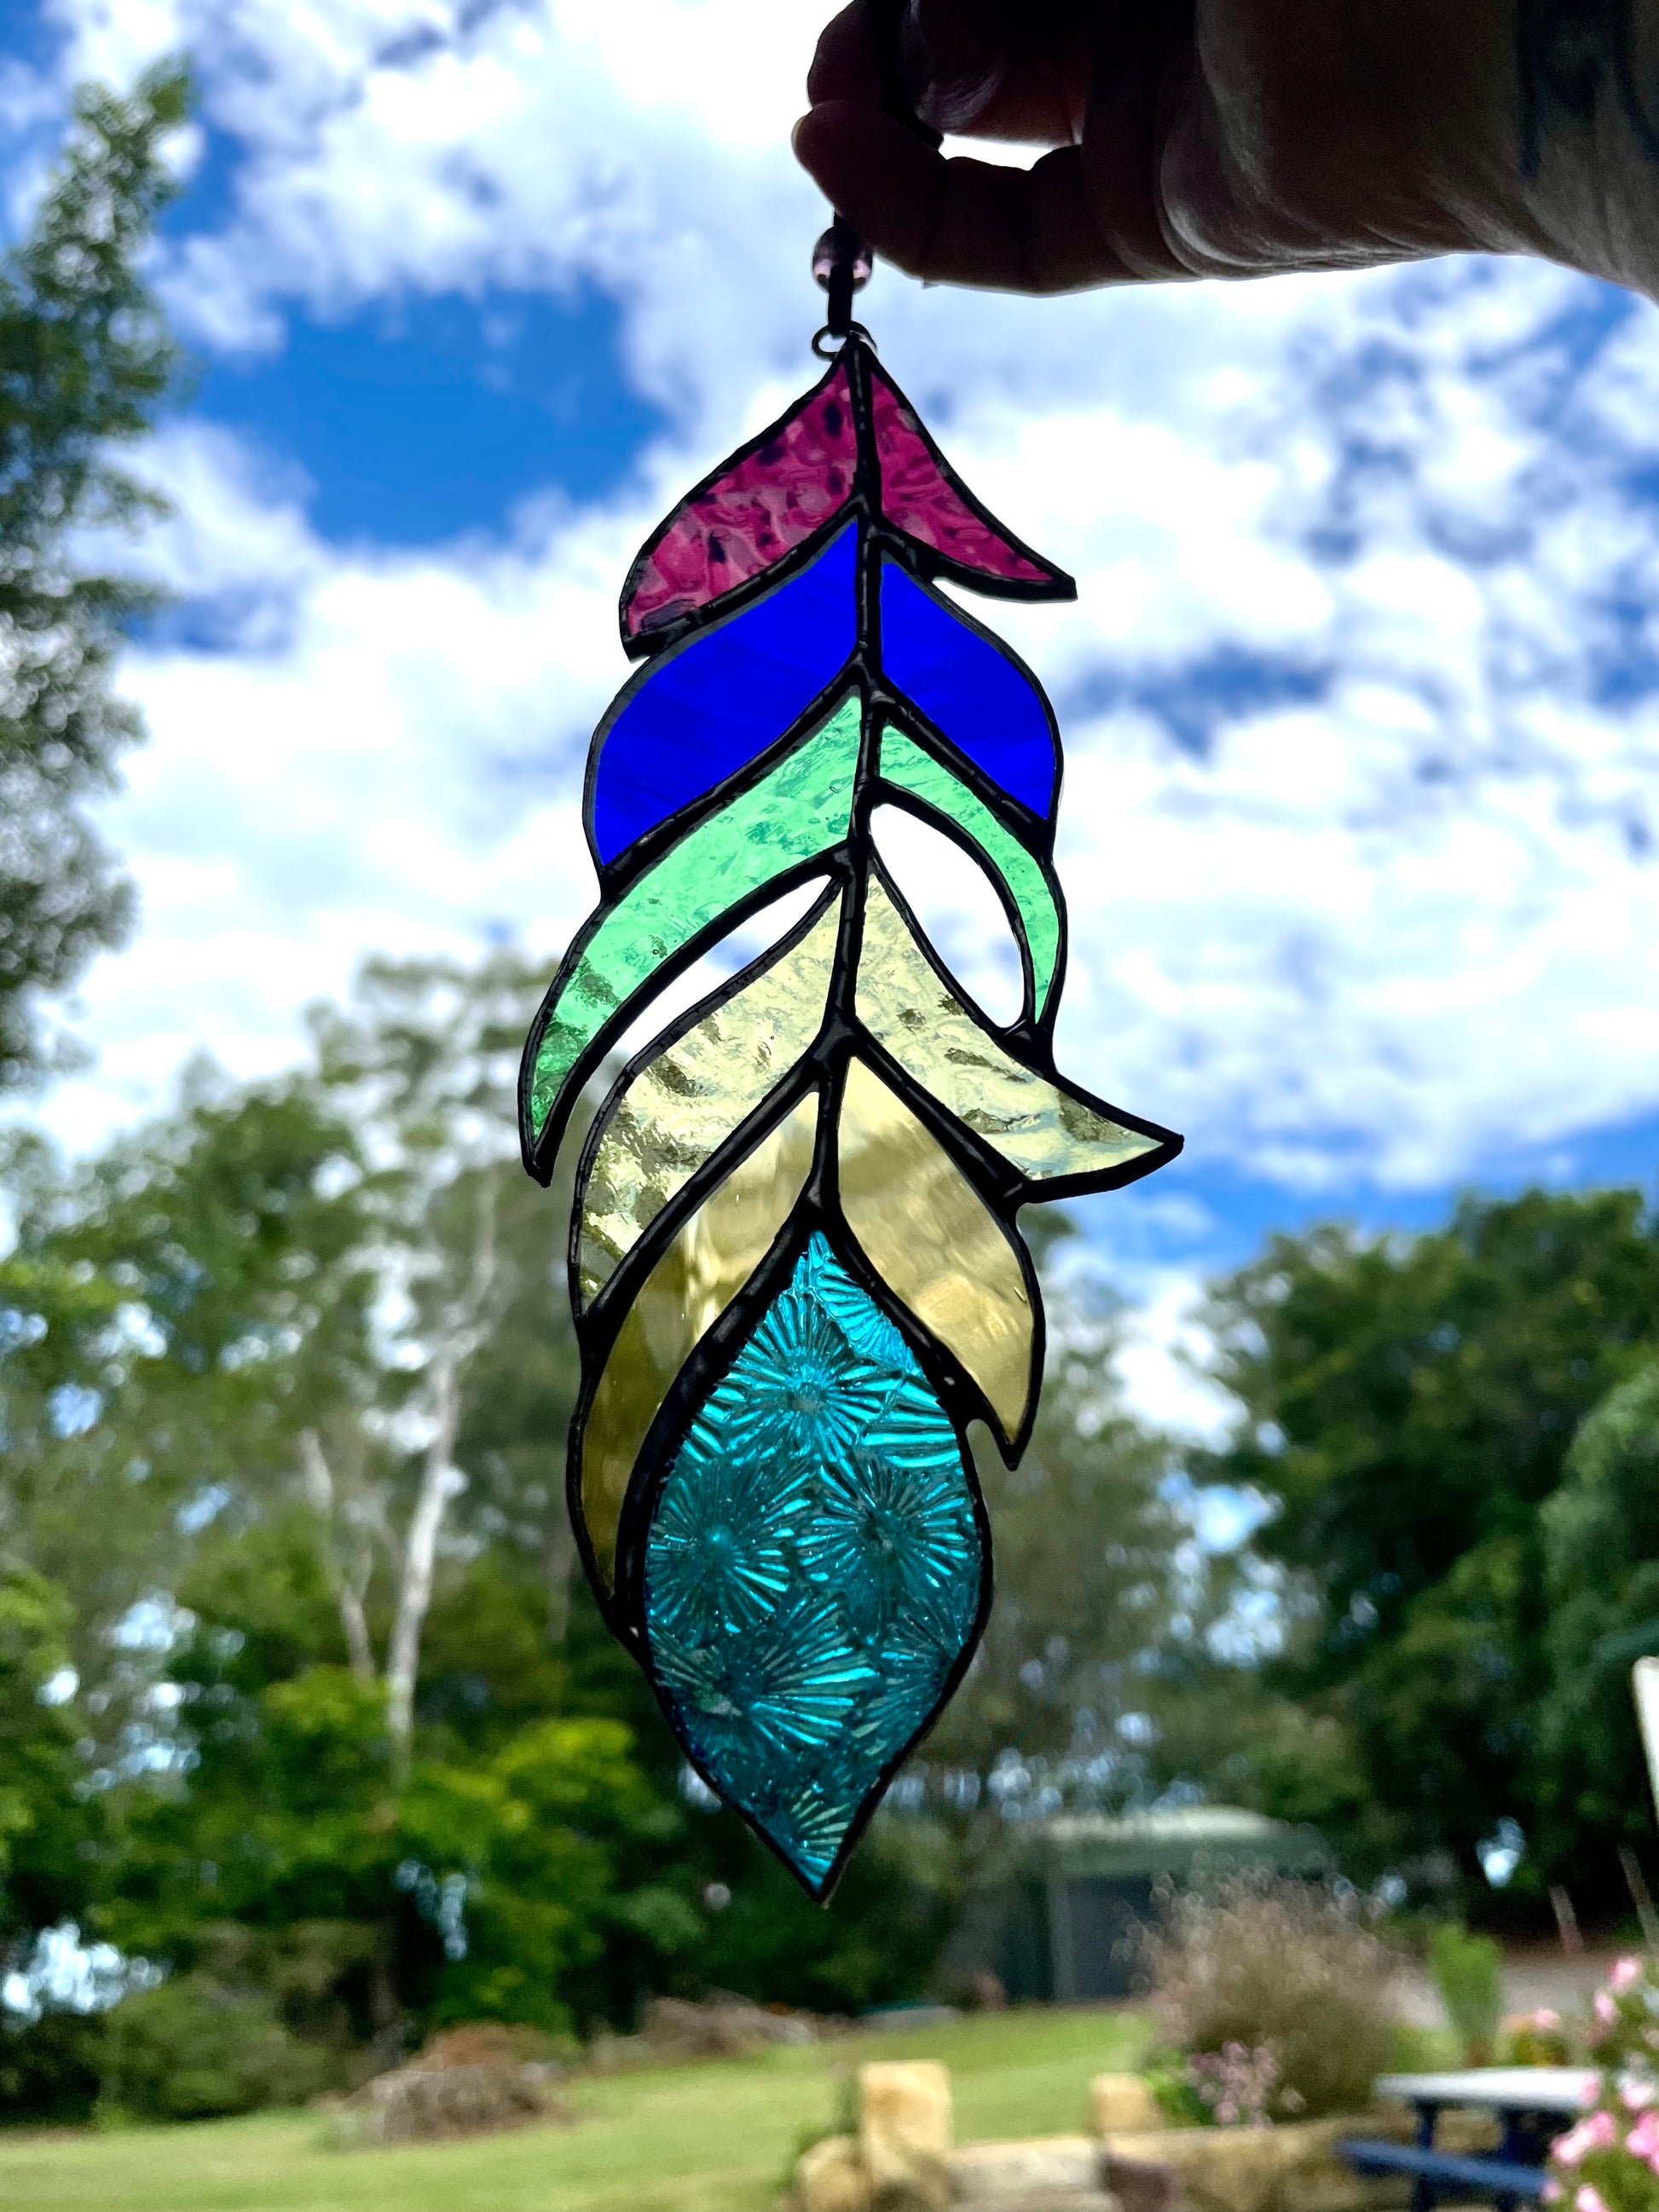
(814, 1567)
(708, 706)
(976, 695)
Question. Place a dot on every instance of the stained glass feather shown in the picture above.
(795, 1263)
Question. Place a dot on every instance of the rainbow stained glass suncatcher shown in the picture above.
(794, 1261)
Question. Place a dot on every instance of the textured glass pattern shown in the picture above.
(920, 498)
(912, 769)
(1042, 1130)
(934, 1242)
(707, 708)
(799, 809)
(687, 1100)
(813, 1569)
(762, 506)
(686, 1293)
(976, 695)
(780, 1357)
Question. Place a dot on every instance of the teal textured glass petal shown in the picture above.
(813, 1569)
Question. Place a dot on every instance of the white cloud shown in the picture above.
(1401, 911)
(1163, 1357)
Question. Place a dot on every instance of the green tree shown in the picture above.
(173, 1314)
(85, 362)
(1602, 1562)
(49, 1835)
(301, 1356)
(1087, 1591)
(1408, 1406)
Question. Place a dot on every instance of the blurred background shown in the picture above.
(341, 385)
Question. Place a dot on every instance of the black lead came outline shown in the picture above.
(845, 870)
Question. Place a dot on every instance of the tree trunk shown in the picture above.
(458, 1333)
(440, 1480)
(348, 1598)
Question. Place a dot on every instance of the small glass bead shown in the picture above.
(839, 247)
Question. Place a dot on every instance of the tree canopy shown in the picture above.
(1410, 1405)
(85, 362)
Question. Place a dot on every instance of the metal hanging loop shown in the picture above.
(841, 263)
(826, 343)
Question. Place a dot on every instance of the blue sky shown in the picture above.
(419, 420)
(1361, 694)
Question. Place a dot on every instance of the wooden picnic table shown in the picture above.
(1534, 2104)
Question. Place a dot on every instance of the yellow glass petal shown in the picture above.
(933, 1240)
(689, 1098)
(1038, 1127)
(691, 1285)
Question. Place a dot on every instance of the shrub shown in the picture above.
(1609, 2160)
(1286, 1973)
(1469, 1972)
(1541, 2037)
(194, 2051)
(50, 2069)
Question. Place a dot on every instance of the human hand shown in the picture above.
(1239, 138)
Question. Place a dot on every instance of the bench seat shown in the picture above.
(1443, 2169)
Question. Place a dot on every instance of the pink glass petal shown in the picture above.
(749, 518)
(916, 495)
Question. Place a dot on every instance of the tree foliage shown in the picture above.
(85, 362)
(301, 1356)
(1409, 1406)
(1601, 1576)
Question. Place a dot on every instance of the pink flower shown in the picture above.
(1595, 2132)
(1606, 2011)
(1642, 2141)
(1627, 1972)
(1589, 2198)
(1551, 2191)
(1545, 2019)
(1636, 2094)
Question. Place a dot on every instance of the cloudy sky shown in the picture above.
(1360, 693)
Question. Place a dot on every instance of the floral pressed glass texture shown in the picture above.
(814, 1566)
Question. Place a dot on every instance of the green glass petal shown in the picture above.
(799, 809)
(1043, 1131)
(907, 765)
(687, 1101)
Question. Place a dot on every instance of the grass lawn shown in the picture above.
(716, 2137)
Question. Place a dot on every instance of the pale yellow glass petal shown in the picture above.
(933, 1240)
(689, 1098)
(1034, 1124)
(691, 1285)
